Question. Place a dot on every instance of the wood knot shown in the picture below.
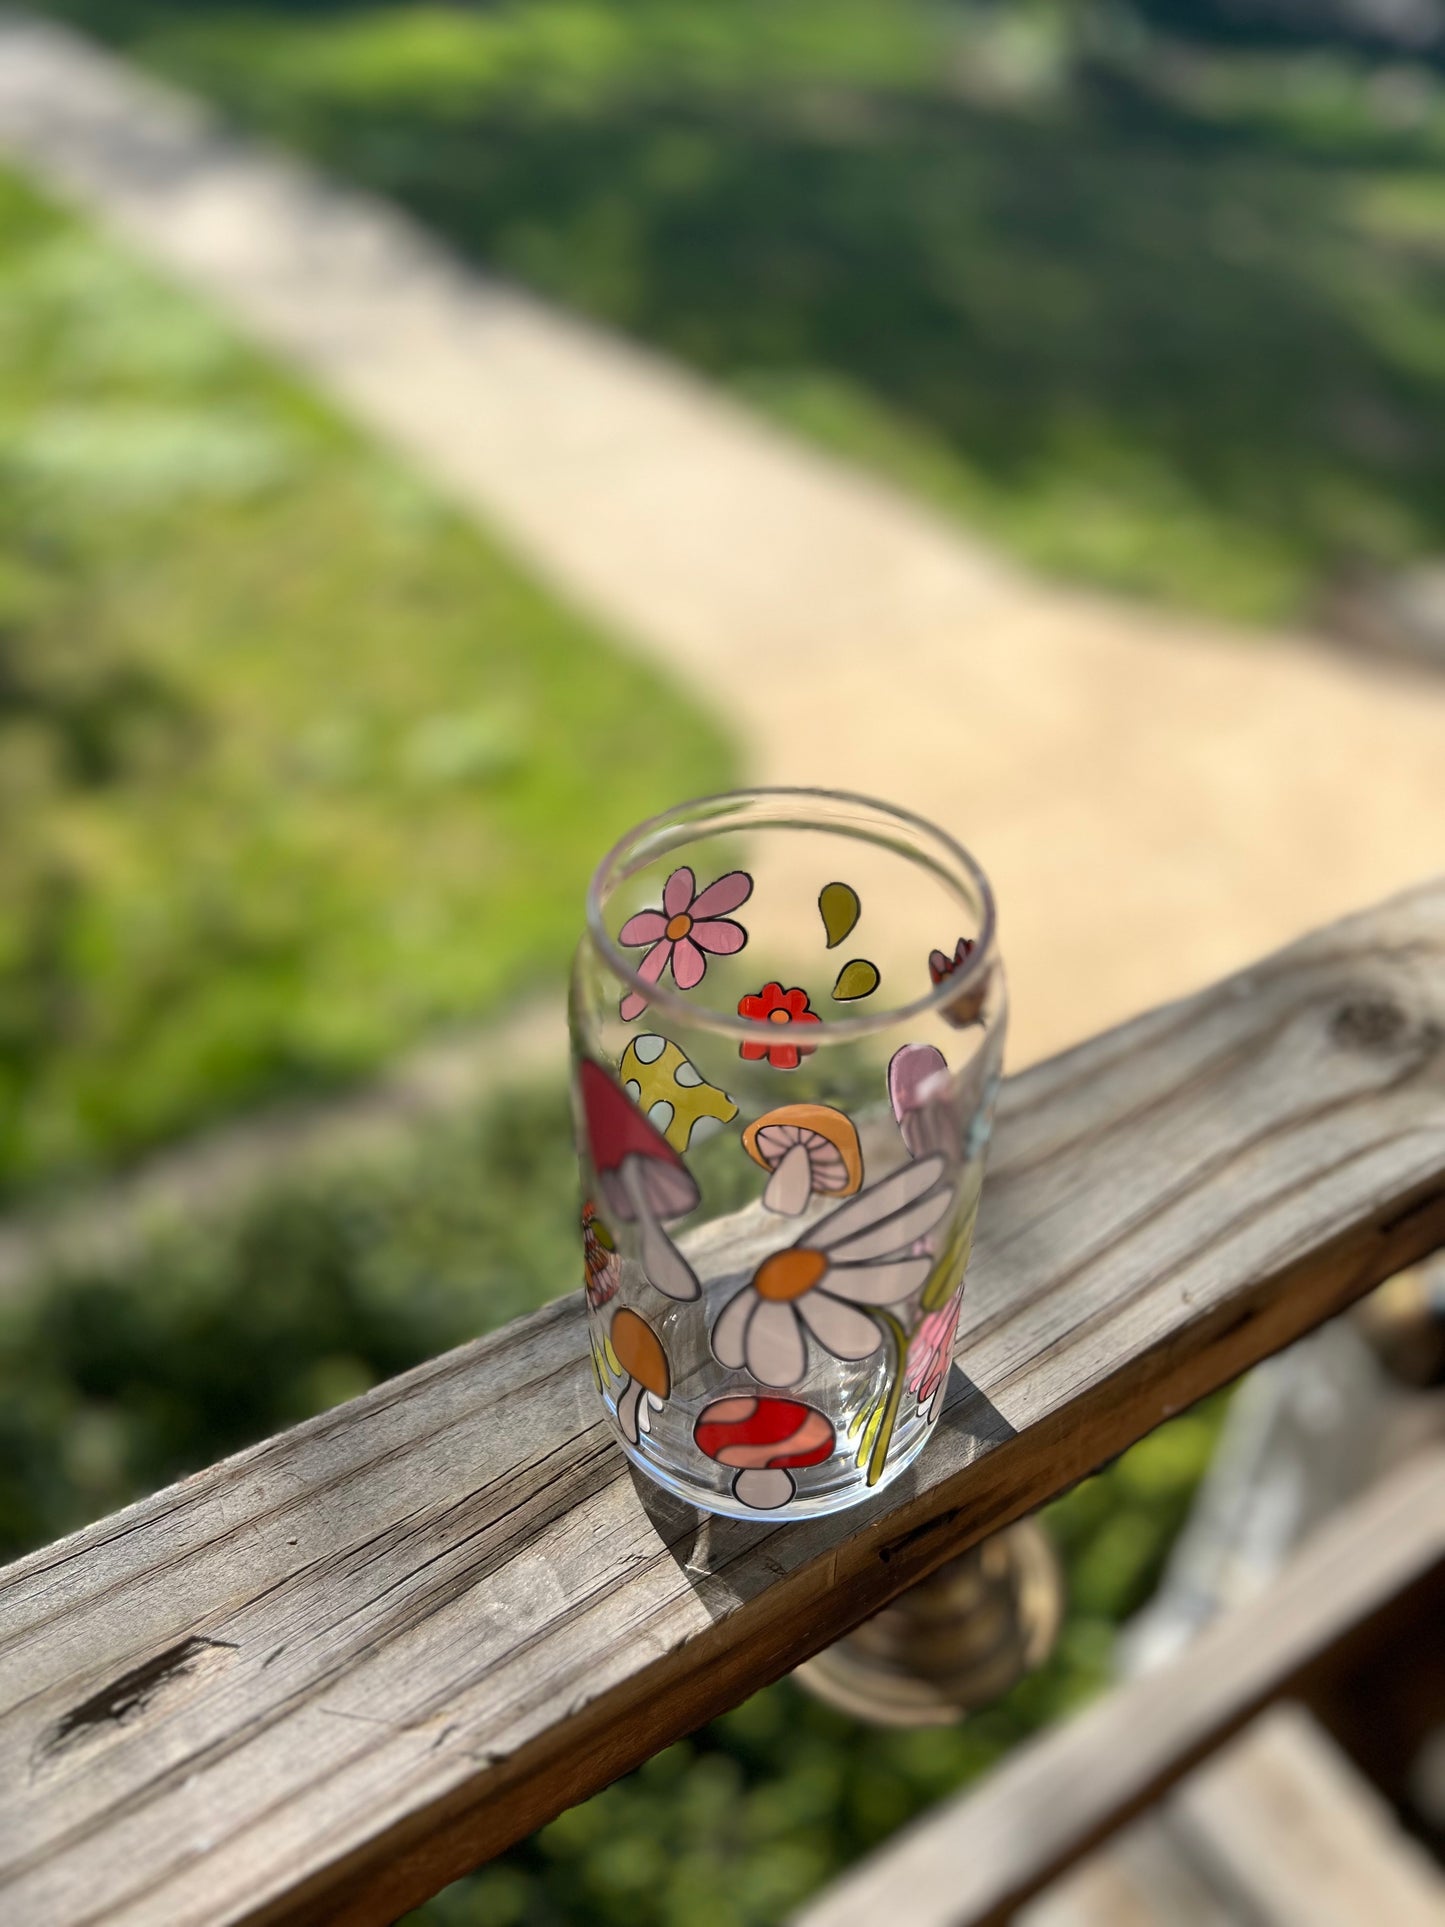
(1368, 1023)
(127, 1698)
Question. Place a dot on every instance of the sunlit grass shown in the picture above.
(1158, 314)
(293, 762)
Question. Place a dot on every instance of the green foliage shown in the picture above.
(1127, 301)
(293, 763)
(116, 1379)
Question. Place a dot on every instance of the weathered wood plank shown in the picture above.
(973, 1861)
(1287, 1824)
(1279, 1829)
(1140, 1879)
(320, 1679)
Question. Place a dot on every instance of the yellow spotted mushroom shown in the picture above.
(808, 1148)
(678, 1100)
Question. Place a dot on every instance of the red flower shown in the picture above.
(783, 1008)
(941, 965)
(968, 1007)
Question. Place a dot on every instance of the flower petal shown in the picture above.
(720, 936)
(876, 1284)
(650, 969)
(678, 891)
(783, 1057)
(689, 965)
(901, 1187)
(646, 927)
(845, 1332)
(752, 1052)
(729, 1334)
(724, 895)
(897, 1233)
(777, 1353)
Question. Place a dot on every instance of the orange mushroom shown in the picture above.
(638, 1351)
(808, 1148)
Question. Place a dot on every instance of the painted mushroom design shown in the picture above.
(917, 1089)
(641, 1177)
(808, 1148)
(763, 1438)
(638, 1350)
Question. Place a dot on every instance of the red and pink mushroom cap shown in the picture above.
(630, 1157)
(763, 1438)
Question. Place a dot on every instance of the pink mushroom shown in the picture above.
(641, 1177)
(918, 1092)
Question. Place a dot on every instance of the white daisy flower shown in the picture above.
(858, 1256)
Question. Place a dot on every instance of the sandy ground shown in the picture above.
(1158, 800)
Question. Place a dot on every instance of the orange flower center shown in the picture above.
(678, 927)
(780, 1017)
(788, 1274)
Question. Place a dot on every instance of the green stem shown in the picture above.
(883, 1437)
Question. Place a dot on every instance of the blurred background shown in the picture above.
(1031, 413)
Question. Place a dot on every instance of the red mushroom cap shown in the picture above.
(763, 1432)
(617, 1132)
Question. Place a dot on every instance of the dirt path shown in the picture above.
(1158, 800)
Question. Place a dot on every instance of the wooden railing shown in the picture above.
(320, 1679)
(1368, 1589)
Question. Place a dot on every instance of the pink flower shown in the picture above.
(689, 923)
(931, 1353)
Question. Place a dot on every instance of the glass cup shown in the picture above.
(787, 1021)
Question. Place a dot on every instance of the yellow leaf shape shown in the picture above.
(856, 979)
(840, 909)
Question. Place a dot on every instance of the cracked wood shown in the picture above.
(364, 1655)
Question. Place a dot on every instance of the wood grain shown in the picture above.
(322, 1678)
(1278, 1829)
(1285, 1822)
(973, 1861)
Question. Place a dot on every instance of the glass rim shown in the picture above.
(672, 1003)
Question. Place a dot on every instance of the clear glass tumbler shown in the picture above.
(787, 1024)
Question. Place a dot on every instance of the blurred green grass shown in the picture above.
(119, 1376)
(1160, 312)
(293, 762)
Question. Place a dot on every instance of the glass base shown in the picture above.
(814, 1503)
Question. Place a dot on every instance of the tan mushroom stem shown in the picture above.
(766, 1488)
(664, 1264)
(627, 1404)
(805, 1148)
(791, 1184)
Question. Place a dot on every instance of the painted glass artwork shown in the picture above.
(691, 924)
(782, 1166)
(826, 1284)
(766, 1438)
(807, 1150)
(678, 1100)
(856, 979)
(784, 1012)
